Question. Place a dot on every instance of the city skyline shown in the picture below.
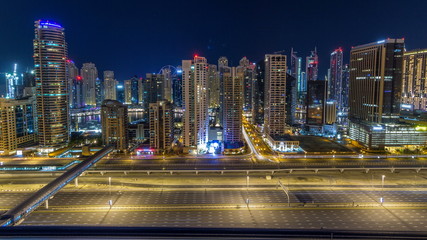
(156, 50)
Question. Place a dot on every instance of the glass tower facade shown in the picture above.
(50, 55)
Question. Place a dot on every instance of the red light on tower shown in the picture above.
(196, 56)
(79, 78)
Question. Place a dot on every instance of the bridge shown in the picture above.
(17, 214)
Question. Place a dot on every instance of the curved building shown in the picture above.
(50, 55)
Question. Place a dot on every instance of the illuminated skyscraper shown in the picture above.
(89, 74)
(177, 88)
(249, 73)
(312, 64)
(345, 86)
(296, 71)
(213, 87)
(110, 85)
(161, 125)
(335, 83)
(258, 94)
(114, 120)
(72, 73)
(376, 81)
(232, 107)
(195, 101)
(50, 55)
(275, 95)
(167, 72)
(99, 92)
(11, 83)
(414, 92)
(77, 93)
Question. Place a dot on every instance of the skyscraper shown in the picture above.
(249, 74)
(110, 85)
(177, 88)
(167, 72)
(133, 89)
(296, 71)
(89, 73)
(345, 87)
(258, 94)
(161, 125)
(128, 92)
(232, 107)
(312, 64)
(414, 93)
(72, 73)
(316, 104)
(99, 92)
(50, 55)
(213, 86)
(335, 83)
(12, 82)
(375, 81)
(275, 95)
(375, 96)
(195, 101)
(77, 93)
(114, 120)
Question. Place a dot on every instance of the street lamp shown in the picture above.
(382, 181)
(109, 184)
(247, 181)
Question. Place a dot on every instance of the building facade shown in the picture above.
(335, 83)
(195, 102)
(18, 124)
(161, 125)
(414, 87)
(258, 94)
(89, 74)
(312, 66)
(249, 76)
(376, 81)
(114, 121)
(275, 95)
(50, 55)
(110, 85)
(295, 71)
(232, 107)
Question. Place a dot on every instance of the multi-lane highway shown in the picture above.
(332, 200)
(227, 208)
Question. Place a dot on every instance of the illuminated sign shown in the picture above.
(406, 106)
(421, 128)
(377, 128)
(50, 24)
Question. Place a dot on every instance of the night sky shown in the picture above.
(136, 37)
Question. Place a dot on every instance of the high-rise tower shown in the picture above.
(249, 75)
(110, 85)
(89, 74)
(72, 73)
(232, 107)
(275, 95)
(296, 71)
(195, 101)
(312, 65)
(376, 81)
(50, 55)
(335, 83)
